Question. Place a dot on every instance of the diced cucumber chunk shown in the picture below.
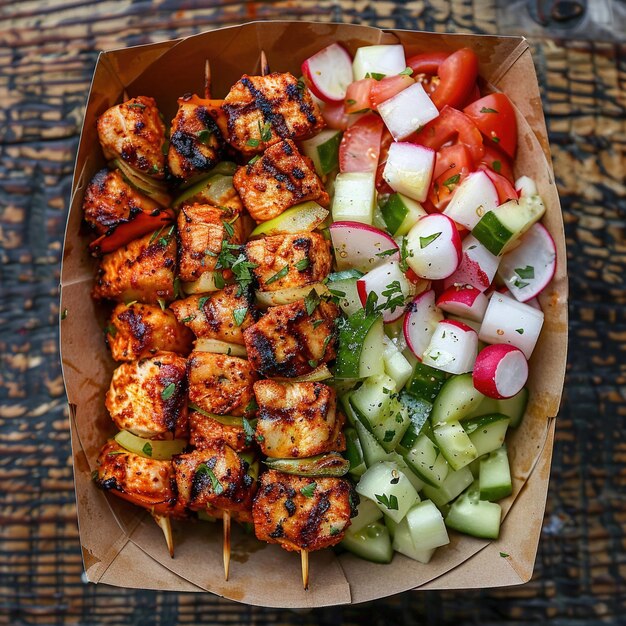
(373, 452)
(425, 459)
(419, 412)
(426, 382)
(360, 339)
(454, 484)
(487, 406)
(371, 543)
(346, 292)
(456, 400)
(344, 399)
(514, 407)
(495, 476)
(497, 230)
(354, 452)
(387, 486)
(323, 150)
(401, 213)
(473, 516)
(487, 432)
(355, 197)
(367, 513)
(396, 365)
(426, 525)
(414, 479)
(455, 445)
(403, 543)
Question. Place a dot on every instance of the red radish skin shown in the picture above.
(477, 268)
(420, 322)
(464, 301)
(328, 73)
(500, 371)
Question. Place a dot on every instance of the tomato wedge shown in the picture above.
(334, 115)
(494, 115)
(358, 95)
(360, 145)
(453, 164)
(387, 88)
(498, 162)
(457, 76)
(450, 124)
(505, 189)
(427, 62)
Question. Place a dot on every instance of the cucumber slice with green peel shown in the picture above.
(360, 338)
(487, 432)
(426, 382)
(456, 400)
(373, 452)
(427, 527)
(346, 293)
(401, 213)
(455, 445)
(344, 399)
(396, 364)
(495, 476)
(514, 407)
(472, 516)
(487, 406)
(454, 484)
(403, 543)
(387, 486)
(500, 228)
(355, 197)
(367, 513)
(414, 479)
(212, 189)
(419, 411)
(300, 218)
(354, 453)
(323, 150)
(160, 450)
(371, 543)
(425, 459)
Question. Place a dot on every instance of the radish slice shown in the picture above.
(378, 61)
(474, 197)
(452, 348)
(477, 268)
(407, 111)
(464, 301)
(528, 269)
(361, 247)
(511, 322)
(409, 168)
(391, 287)
(526, 186)
(420, 322)
(328, 73)
(500, 371)
(434, 247)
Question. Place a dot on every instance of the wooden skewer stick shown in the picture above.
(265, 66)
(125, 97)
(207, 79)
(226, 554)
(165, 525)
(304, 557)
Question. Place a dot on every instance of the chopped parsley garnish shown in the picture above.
(385, 253)
(375, 75)
(313, 363)
(370, 303)
(316, 323)
(252, 143)
(309, 490)
(248, 430)
(202, 301)
(218, 279)
(265, 131)
(252, 406)
(189, 318)
(451, 182)
(136, 105)
(525, 272)
(165, 147)
(394, 295)
(497, 166)
(254, 159)
(391, 502)
(407, 71)
(204, 470)
(426, 241)
(239, 315)
(204, 135)
(504, 555)
(178, 290)
(302, 264)
(334, 530)
(495, 138)
(147, 449)
(337, 293)
(168, 392)
(487, 110)
(520, 284)
(404, 255)
(230, 231)
(279, 274)
(311, 301)
(243, 276)
(350, 101)
(519, 330)
(389, 435)
(110, 330)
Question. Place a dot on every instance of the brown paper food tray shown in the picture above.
(121, 544)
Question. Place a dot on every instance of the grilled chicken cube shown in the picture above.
(221, 384)
(215, 477)
(110, 200)
(136, 331)
(149, 397)
(205, 431)
(311, 520)
(146, 482)
(281, 178)
(287, 261)
(195, 140)
(288, 342)
(297, 420)
(222, 315)
(203, 237)
(262, 110)
(142, 270)
(134, 132)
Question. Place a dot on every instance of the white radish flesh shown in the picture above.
(525, 186)
(500, 371)
(477, 268)
(474, 197)
(384, 60)
(361, 247)
(464, 301)
(409, 169)
(434, 247)
(452, 348)
(407, 111)
(528, 269)
(390, 285)
(420, 322)
(329, 72)
(511, 322)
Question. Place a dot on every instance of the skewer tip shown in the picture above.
(207, 79)
(304, 557)
(165, 524)
(125, 96)
(265, 67)
(226, 552)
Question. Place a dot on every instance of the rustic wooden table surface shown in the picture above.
(47, 54)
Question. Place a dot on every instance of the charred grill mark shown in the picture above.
(296, 94)
(310, 529)
(276, 120)
(138, 328)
